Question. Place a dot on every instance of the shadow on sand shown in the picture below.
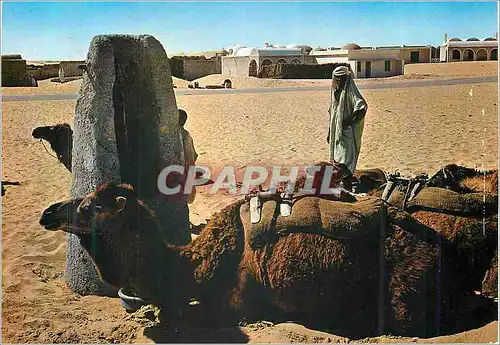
(159, 334)
(475, 312)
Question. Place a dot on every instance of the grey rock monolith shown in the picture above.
(126, 130)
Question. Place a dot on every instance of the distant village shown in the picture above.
(277, 61)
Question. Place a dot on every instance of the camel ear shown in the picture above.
(121, 201)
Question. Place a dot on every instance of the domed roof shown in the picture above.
(246, 51)
(490, 39)
(454, 39)
(235, 49)
(473, 39)
(351, 46)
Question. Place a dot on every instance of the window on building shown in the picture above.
(358, 66)
(387, 66)
(415, 56)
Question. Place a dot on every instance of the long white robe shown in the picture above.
(345, 143)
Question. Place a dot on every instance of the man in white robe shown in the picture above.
(189, 153)
(347, 116)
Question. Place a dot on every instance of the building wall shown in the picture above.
(14, 72)
(443, 54)
(424, 54)
(449, 53)
(375, 54)
(446, 50)
(239, 65)
(71, 68)
(322, 59)
(310, 60)
(235, 65)
(378, 68)
(275, 59)
(43, 72)
(197, 68)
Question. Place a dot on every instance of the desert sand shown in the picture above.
(411, 129)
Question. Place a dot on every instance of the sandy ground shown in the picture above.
(180, 83)
(417, 129)
(453, 69)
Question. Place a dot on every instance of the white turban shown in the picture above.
(340, 71)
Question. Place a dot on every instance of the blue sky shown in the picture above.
(63, 30)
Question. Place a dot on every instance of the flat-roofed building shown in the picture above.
(365, 62)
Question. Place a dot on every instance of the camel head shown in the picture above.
(49, 133)
(60, 138)
(465, 180)
(106, 221)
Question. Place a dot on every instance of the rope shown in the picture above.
(48, 150)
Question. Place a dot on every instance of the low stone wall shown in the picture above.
(14, 71)
(292, 71)
(44, 71)
(71, 68)
(191, 68)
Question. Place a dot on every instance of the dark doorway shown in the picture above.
(455, 55)
(494, 54)
(252, 69)
(482, 55)
(415, 57)
(468, 55)
(368, 69)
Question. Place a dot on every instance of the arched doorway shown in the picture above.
(482, 55)
(252, 68)
(468, 55)
(281, 62)
(494, 54)
(455, 55)
(295, 62)
(266, 62)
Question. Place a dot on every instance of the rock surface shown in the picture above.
(126, 130)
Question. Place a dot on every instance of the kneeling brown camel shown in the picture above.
(461, 203)
(378, 275)
(60, 137)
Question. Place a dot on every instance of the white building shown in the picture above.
(472, 49)
(248, 60)
(365, 62)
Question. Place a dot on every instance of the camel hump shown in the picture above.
(448, 201)
(362, 219)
